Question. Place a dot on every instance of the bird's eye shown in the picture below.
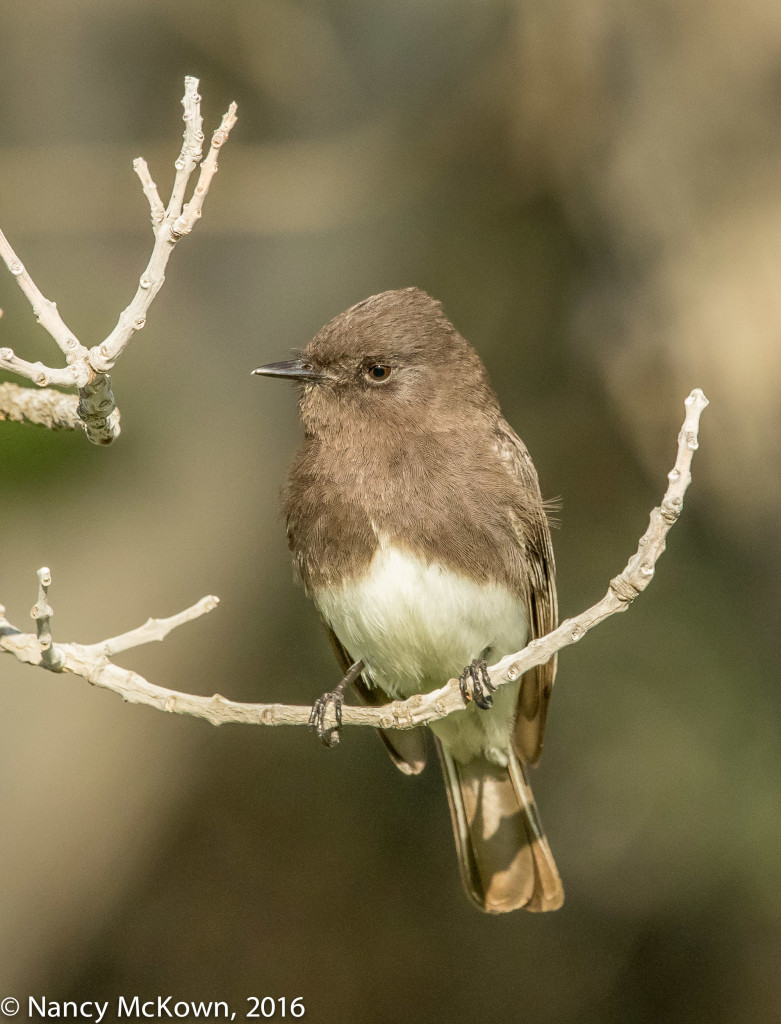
(379, 372)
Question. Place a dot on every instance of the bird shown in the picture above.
(416, 525)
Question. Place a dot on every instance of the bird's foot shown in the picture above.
(329, 736)
(475, 684)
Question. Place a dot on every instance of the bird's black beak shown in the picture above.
(292, 369)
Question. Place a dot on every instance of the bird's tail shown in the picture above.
(505, 860)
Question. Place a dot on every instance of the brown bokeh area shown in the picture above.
(594, 193)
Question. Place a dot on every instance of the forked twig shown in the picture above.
(87, 369)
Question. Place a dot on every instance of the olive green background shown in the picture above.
(594, 193)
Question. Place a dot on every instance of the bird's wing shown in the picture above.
(539, 591)
(407, 747)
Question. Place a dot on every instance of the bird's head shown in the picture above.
(394, 359)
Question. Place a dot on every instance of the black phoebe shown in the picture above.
(416, 525)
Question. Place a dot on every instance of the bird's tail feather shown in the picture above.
(505, 860)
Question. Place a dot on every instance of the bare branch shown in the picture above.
(98, 410)
(192, 211)
(91, 662)
(45, 311)
(192, 146)
(36, 372)
(152, 629)
(51, 656)
(47, 407)
(87, 368)
(150, 190)
(169, 228)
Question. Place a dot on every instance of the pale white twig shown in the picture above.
(91, 662)
(46, 407)
(150, 190)
(169, 228)
(192, 146)
(51, 656)
(192, 211)
(50, 408)
(45, 310)
(86, 368)
(152, 629)
(37, 372)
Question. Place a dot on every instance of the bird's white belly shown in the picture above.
(416, 625)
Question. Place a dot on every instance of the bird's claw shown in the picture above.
(327, 736)
(475, 684)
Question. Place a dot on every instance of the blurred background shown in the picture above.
(594, 193)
